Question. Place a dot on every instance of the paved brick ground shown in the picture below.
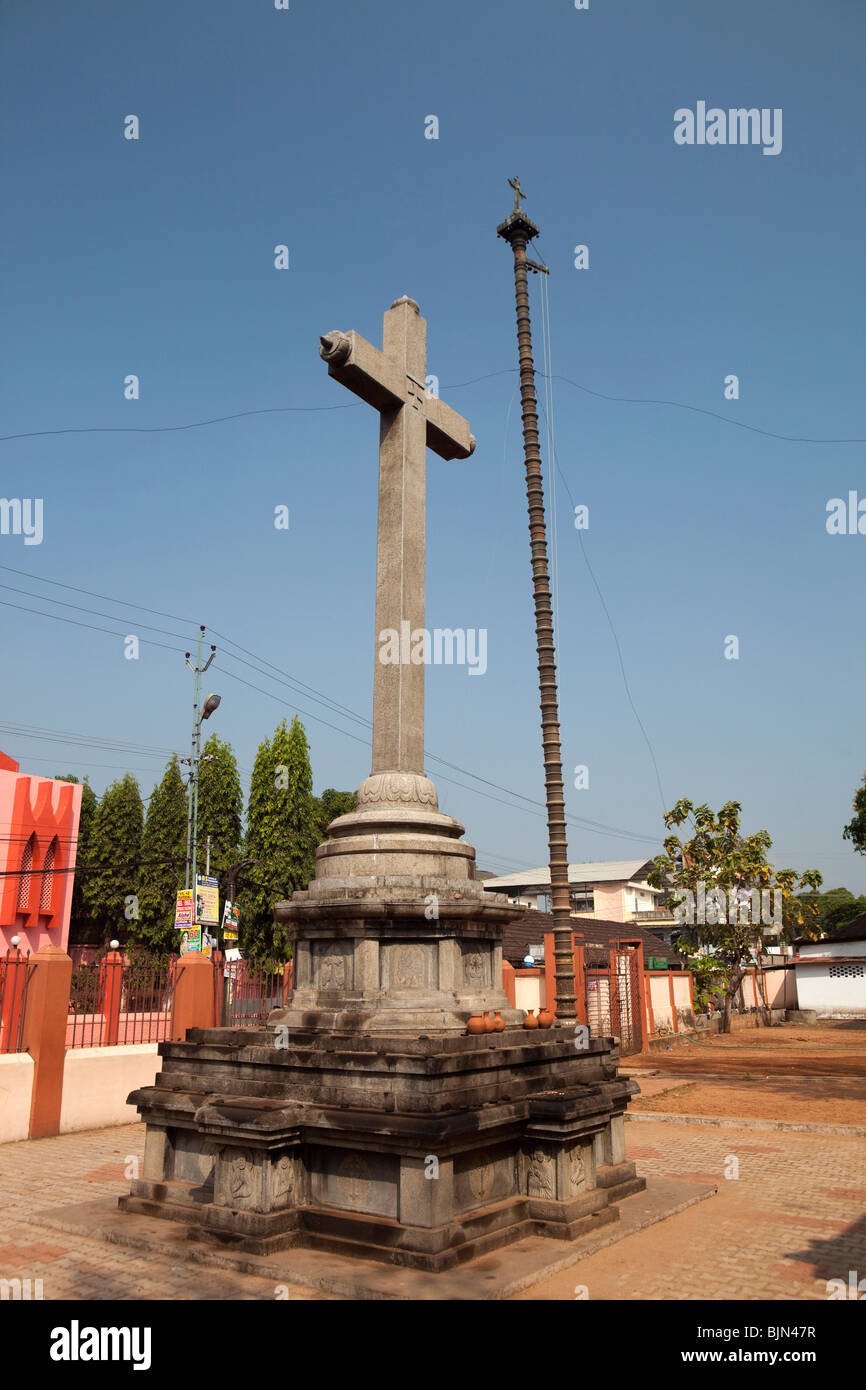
(793, 1219)
(44, 1173)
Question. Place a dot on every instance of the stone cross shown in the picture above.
(393, 381)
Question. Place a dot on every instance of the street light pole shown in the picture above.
(195, 756)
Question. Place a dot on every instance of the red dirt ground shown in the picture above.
(833, 1048)
(795, 1073)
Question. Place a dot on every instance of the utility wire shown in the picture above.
(221, 419)
(353, 405)
(595, 827)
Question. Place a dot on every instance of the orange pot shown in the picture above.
(530, 1021)
(489, 1025)
(498, 1022)
(545, 1018)
(475, 1024)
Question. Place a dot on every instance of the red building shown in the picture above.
(38, 841)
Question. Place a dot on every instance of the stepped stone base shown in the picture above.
(423, 1152)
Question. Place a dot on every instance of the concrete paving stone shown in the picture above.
(772, 1233)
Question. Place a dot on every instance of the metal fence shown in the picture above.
(246, 992)
(15, 972)
(115, 1001)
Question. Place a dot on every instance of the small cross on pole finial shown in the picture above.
(518, 192)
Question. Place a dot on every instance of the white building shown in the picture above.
(613, 890)
(831, 973)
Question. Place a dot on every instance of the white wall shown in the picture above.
(660, 996)
(683, 1000)
(97, 1080)
(16, 1088)
(833, 948)
(818, 988)
(527, 991)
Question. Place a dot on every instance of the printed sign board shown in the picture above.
(207, 906)
(184, 911)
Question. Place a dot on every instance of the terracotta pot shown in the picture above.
(530, 1021)
(545, 1018)
(498, 1022)
(489, 1025)
(475, 1024)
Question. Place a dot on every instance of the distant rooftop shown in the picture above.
(597, 936)
(596, 871)
(854, 931)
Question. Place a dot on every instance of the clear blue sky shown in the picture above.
(306, 127)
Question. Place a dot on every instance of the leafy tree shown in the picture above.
(81, 928)
(220, 807)
(855, 830)
(330, 805)
(707, 972)
(835, 909)
(281, 839)
(719, 860)
(838, 908)
(111, 865)
(163, 857)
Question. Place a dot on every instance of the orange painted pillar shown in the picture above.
(110, 981)
(550, 973)
(648, 995)
(638, 978)
(195, 997)
(508, 983)
(580, 983)
(44, 1036)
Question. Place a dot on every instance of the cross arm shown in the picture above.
(363, 368)
(447, 432)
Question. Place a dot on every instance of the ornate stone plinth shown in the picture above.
(422, 1152)
(394, 934)
(364, 1118)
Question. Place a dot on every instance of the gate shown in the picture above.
(625, 998)
(613, 996)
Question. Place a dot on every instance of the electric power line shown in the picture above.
(595, 827)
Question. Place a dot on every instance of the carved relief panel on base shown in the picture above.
(409, 965)
(476, 964)
(333, 965)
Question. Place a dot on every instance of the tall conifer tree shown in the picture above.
(163, 854)
(220, 808)
(111, 877)
(282, 834)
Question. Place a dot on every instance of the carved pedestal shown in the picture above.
(424, 1152)
(364, 1118)
(394, 934)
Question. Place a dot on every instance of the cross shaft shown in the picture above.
(393, 381)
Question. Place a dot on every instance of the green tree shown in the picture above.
(707, 972)
(855, 830)
(111, 866)
(840, 910)
(835, 909)
(163, 857)
(220, 808)
(330, 805)
(718, 860)
(281, 839)
(81, 928)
